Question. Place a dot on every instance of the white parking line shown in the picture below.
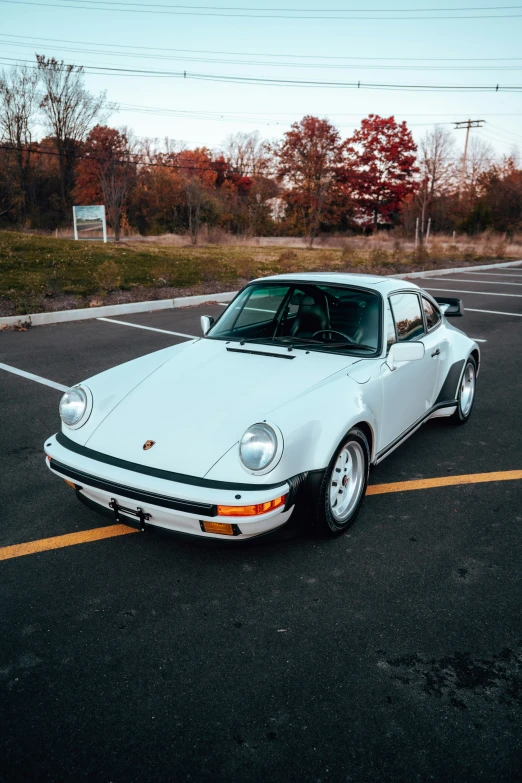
(478, 340)
(460, 291)
(149, 328)
(31, 377)
(493, 312)
(480, 282)
(496, 274)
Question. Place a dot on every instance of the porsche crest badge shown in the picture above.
(148, 444)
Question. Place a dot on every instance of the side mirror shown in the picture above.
(206, 322)
(404, 352)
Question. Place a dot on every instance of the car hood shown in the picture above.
(196, 406)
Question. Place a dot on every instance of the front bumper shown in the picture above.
(168, 504)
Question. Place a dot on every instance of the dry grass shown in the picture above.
(43, 273)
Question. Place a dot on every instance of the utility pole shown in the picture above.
(458, 126)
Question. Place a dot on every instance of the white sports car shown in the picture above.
(302, 383)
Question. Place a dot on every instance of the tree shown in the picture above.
(499, 205)
(437, 168)
(381, 167)
(18, 108)
(69, 111)
(308, 162)
(106, 172)
(247, 154)
(199, 176)
(480, 158)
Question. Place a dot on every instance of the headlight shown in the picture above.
(73, 406)
(258, 447)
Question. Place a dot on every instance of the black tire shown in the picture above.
(324, 521)
(461, 415)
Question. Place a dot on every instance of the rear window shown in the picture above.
(431, 313)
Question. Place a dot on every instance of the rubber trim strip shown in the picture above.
(451, 382)
(190, 507)
(168, 475)
(404, 435)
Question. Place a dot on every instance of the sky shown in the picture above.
(371, 42)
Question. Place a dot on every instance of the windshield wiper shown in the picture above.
(282, 340)
(290, 341)
(347, 344)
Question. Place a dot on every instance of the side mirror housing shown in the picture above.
(404, 352)
(206, 322)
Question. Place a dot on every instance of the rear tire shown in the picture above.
(466, 394)
(343, 487)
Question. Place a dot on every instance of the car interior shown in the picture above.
(327, 315)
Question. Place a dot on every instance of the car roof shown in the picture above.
(384, 285)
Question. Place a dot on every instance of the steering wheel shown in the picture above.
(333, 331)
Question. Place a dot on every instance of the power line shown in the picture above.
(253, 80)
(504, 131)
(278, 64)
(148, 11)
(265, 54)
(140, 159)
(304, 10)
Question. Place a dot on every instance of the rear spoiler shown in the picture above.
(452, 308)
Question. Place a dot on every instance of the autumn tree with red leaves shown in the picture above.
(380, 168)
(199, 177)
(106, 173)
(309, 160)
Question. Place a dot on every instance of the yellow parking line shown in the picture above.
(99, 533)
(443, 481)
(70, 539)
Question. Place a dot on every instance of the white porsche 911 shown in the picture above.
(302, 383)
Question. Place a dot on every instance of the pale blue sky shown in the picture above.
(270, 109)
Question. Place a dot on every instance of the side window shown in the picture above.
(431, 313)
(390, 328)
(408, 316)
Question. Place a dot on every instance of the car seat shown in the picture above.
(311, 318)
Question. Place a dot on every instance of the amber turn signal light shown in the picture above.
(251, 511)
(70, 484)
(223, 528)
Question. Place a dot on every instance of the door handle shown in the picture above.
(436, 353)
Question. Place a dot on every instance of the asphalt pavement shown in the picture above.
(392, 653)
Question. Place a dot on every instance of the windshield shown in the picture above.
(311, 316)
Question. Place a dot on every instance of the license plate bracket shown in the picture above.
(138, 512)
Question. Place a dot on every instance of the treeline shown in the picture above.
(311, 181)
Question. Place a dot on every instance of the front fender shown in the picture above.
(110, 387)
(313, 425)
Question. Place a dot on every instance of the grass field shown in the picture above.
(42, 273)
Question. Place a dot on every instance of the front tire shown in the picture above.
(343, 487)
(466, 395)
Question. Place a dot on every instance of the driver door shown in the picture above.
(408, 389)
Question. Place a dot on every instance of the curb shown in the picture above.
(454, 270)
(87, 313)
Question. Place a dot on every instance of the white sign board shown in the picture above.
(89, 222)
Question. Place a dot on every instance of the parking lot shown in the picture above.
(391, 653)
